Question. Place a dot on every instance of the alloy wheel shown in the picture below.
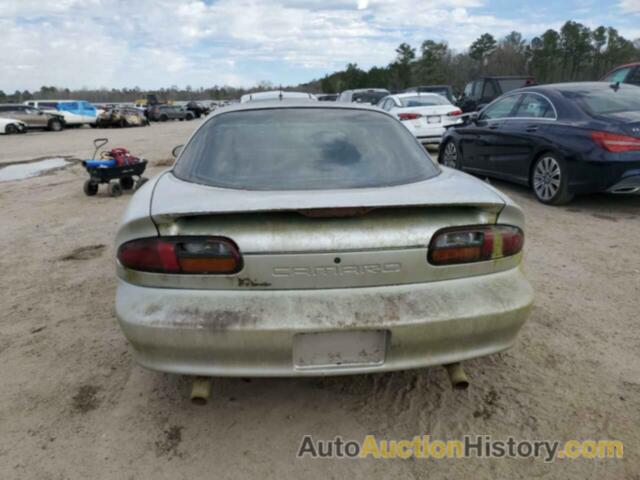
(450, 156)
(547, 178)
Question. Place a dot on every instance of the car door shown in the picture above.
(489, 93)
(467, 103)
(89, 112)
(519, 137)
(72, 112)
(35, 117)
(390, 105)
(489, 142)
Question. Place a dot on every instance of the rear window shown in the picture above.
(604, 101)
(424, 101)
(303, 148)
(445, 92)
(368, 97)
(508, 84)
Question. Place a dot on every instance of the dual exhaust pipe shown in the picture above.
(200, 390)
(201, 387)
(458, 378)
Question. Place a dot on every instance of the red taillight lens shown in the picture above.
(474, 244)
(409, 116)
(183, 255)
(616, 143)
(455, 113)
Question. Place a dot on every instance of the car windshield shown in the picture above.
(424, 101)
(368, 97)
(303, 148)
(508, 84)
(603, 101)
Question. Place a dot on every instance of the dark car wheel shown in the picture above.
(450, 155)
(55, 125)
(189, 116)
(126, 183)
(163, 118)
(549, 180)
(11, 128)
(115, 190)
(90, 188)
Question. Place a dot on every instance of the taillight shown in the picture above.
(409, 116)
(454, 113)
(474, 244)
(182, 255)
(616, 143)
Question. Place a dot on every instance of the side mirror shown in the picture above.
(176, 150)
(473, 117)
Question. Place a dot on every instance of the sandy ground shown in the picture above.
(154, 142)
(73, 405)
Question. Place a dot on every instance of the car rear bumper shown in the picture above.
(252, 333)
(427, 134)
(605, 176)
(628, 185)
(430, 139)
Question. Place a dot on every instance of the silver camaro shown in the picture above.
(297, 239)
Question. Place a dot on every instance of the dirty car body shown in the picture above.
(301, 239)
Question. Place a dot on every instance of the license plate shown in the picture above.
(339, 349)
(433, 119)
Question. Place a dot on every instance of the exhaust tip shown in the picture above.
(626, 190)
(457, 376)
(199, 401)
(200, 391)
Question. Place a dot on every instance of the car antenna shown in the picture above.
(615, 86)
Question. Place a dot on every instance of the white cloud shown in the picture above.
(630, 6)
(155, 43)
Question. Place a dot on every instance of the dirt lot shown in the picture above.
(73, 405)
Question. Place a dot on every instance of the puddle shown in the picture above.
(21, 171)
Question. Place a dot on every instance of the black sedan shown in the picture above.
(562, 140)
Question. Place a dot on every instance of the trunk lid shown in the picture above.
(175, 198)
(328, 238)
(627, 123)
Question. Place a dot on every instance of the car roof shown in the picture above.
(507, 77)
(359, 90)
(634, 64)
(276, 104)
(430, 86)
(571, 87)
(275, 95)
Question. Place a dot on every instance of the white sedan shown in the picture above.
(426, 115)
(11, 125)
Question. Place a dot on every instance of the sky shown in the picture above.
(158, 43)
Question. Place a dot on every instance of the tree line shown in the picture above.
(574, 53)
(128, 95)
